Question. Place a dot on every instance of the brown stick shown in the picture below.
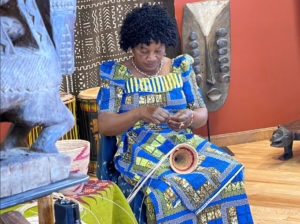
(46, 210)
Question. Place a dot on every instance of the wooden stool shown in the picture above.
(284, 137)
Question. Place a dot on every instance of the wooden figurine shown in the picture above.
(284, 137)
(31, 75)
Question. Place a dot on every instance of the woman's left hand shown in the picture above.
(181, 120)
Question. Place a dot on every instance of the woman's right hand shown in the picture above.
(112, 123)
(155, 115)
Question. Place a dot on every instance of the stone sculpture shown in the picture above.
(31, 75)
(206, 37)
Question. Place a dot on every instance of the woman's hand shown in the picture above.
(153, 114)
(182, 119)
(111, 123)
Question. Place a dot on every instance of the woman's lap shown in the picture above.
(180, 197)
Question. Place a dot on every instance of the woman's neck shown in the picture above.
(148, 74)
(165, 68)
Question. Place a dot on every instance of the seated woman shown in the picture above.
(152, 103)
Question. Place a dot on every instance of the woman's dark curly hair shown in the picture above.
(146, 24)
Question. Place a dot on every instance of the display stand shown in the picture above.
(44, 196)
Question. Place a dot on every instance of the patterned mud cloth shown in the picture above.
(214, 192)
(97, 28)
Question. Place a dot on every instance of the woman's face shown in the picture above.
(148, 57)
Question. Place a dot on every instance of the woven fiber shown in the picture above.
(79, 151)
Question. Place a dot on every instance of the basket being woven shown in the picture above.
(79, 151)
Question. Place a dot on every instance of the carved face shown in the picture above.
(206, 37)
(281, 137)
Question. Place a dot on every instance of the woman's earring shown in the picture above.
(130, 52)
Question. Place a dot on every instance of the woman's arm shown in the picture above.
(200, 117)
(111, 123)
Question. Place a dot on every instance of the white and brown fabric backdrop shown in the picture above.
(97, 29)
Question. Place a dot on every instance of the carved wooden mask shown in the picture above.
(206, 37)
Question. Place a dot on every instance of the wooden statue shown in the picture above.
(31, 76)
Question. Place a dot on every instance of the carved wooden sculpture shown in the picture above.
(59, 18)
(31, 75)
(206, 37)
(30, 78)
(284, 137)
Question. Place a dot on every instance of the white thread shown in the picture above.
(139, 185)
(121, 207)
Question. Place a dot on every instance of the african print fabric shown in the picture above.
(214, 192)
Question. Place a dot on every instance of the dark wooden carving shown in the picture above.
(284, 137)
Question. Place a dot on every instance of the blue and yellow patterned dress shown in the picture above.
(214, 192)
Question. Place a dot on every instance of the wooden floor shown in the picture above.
(272, 186)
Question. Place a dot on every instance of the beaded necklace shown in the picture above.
(143, 73)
